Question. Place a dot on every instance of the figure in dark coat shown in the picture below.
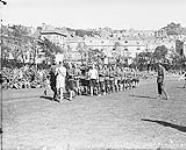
(53, 77)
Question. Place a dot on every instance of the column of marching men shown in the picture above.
(93, 80)
(74, 79)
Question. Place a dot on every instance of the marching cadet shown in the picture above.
(107, 85)
(84, 81)
(70, 81)
(119, 78)
(93, 76)
(112, 78)
(77, 74)
(101, 80)
(53, 76)
(60, 81)
(122, 78)
(184, 75)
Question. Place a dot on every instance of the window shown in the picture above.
(126, 49)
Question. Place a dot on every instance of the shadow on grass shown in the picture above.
(167, 124)
(66, 96)
(48, 98)
(180, 87)
(143, 96)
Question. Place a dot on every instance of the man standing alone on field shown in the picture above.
(161, 81)
(184, 76)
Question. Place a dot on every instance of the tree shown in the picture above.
(143, 60)
(174, 29)
(18, 30)
(160, 52)
(51, 48)
(18, 37)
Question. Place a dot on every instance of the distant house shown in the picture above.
(160, 33)
(180, 45)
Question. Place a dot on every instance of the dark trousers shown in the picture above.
(54, 89)
(160, 88)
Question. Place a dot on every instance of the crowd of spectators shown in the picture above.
(24, 77)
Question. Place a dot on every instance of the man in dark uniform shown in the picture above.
(184, 76)
(1, 78)
(77, 75)
(70, 81)
(112, 78)
(119, 78)
(106, 76)
(101, 80)
(160, 81)
(53, 76)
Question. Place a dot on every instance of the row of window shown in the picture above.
(124, 42)
(126, 49)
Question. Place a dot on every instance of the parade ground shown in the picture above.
(131, 119)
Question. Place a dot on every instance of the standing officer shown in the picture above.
(161, 81)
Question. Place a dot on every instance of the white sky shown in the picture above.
(117, 14)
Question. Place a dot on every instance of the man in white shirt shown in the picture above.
(60, 84)
(93, 76)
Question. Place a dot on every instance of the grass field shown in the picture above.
(129, 119)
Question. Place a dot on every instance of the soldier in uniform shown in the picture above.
(184, 76)
(93, 76)
(70, 81)
(107, 85)
(84, 82)
(119, 78)
(161, 81)
(112, 78)
(60, 84)
(77, 75)
(101, 80)
(53, 75)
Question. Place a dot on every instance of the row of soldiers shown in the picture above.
(97, 79)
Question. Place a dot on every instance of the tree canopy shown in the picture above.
(174, 29)
(160, 52)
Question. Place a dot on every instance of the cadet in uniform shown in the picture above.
(53, 75)
(61, 76)
(70, 81)
(93, 76)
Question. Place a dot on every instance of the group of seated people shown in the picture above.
(23, 77)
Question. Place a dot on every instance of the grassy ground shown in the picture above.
(130, 119)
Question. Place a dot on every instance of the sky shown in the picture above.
(84, 14)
